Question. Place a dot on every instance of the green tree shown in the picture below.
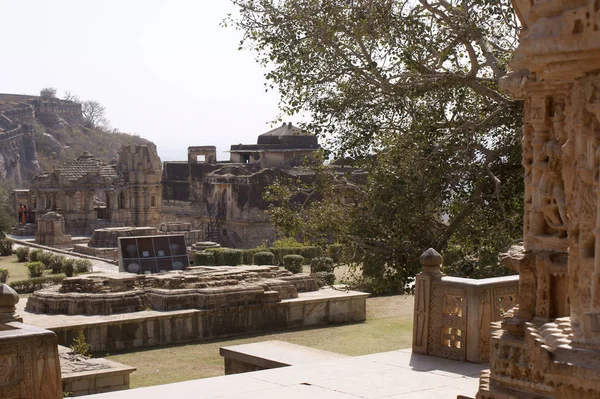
(413, 84)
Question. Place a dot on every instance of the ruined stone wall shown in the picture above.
(17, 144)
(48, 112)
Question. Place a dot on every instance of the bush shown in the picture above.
(80, 345)
(4, 275)
(217, 255)
(82, 265)
(36, 283)
(46, 258)
(34, 255)
(35, 269)
(325, 278)
(249, 254)
(232, 257)
(287, 242)
(6, 247)
(339, 253)
(373, 267)
(204, 259)
(68, 267)
(263, 258)
(321, 264)
(293, 263)
(22, 254)
(57, 263)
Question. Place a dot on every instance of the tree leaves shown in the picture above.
(412, 86)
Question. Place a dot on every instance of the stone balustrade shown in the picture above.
(452, 315)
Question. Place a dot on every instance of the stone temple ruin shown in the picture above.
(549, 345)
(225, 198)
(201, 198)
(196, 288)
(91, 194)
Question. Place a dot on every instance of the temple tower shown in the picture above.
(141, 170)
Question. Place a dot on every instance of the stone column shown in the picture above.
(431, 261)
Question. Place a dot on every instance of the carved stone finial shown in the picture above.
(431, 261)
(431, 257)
(8, 299)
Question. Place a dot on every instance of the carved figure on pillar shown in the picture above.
(552, 200)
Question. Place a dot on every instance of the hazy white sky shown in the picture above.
(164, 69)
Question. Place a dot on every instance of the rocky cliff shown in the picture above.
(37, 133)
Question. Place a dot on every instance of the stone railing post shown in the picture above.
(431, 261)
(29, 362)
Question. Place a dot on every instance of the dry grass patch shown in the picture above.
(388, 327)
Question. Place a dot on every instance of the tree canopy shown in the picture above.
(408, 90)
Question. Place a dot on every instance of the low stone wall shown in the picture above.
(453, 315)
(106, 253)
(152, 328)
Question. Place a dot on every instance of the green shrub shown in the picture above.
(37, 283)
(311, 253)
(22, 254)
(373, 267)
(263, 258)
(307, 252)
(325, 278)
(68, 267)
(57, 263)
(321, 264)
(287, 242)
(4, 275)
(340, 253)
(35, 269)
(34, 255)
(46, 258)
(83, 265)
(80, 345)
(217, 255)
(6, 247)
(249, 254)
(204, 259)
(293, 263)
(232, 257)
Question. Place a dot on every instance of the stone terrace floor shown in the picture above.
(391, 375)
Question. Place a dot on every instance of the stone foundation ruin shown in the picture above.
(196, 288)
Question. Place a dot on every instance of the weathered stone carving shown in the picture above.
(452, 315)
(29, 364)
(549, 345)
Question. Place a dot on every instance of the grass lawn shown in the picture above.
(388, 327)
(16, 270)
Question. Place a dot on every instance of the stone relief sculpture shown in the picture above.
(551, 187)
(549, 344)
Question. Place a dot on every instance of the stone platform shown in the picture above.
(391, 375)
(149, 328)
(83, 376)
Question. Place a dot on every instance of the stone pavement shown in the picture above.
(392, 375)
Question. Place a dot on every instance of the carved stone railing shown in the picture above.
(452, 315)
